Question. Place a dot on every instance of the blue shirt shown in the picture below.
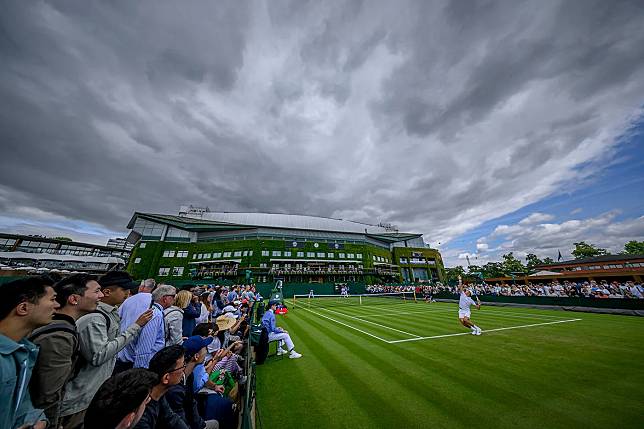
(268, 321)
(232, 295)
(150, 340)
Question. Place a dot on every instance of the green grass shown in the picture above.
(586, 373)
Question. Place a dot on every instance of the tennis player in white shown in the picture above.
(464, 304)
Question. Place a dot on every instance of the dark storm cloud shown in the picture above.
(436, 116)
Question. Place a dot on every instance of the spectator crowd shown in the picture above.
(587, 289)
(109, 352)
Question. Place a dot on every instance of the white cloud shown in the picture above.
(482, 246)
(536, 218)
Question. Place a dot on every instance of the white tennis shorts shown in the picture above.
(464, 313)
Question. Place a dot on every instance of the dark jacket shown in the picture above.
(159, 415)
(190, 314)
(182, 401)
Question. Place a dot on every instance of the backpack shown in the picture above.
(259, 339)
(61, 327)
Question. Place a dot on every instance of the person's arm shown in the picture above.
(27, 416)
(53, 368)
(169, 418)
(191, 311)
(144, 348)
(478, 303)
(95, 345)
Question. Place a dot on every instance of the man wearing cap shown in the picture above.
(181, 397)
(278, 334)
(100, 339)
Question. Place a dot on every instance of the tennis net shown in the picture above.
(320, 301)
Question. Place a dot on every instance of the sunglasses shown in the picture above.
(177, 369)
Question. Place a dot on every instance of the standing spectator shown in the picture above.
(151, 339)
(100, 340)
(206, 308)
(77, 295)
(26, 304)
(131, 309)
(173, 318)
(168, 365)
(233, 294)
(191, 310)
(120, 401)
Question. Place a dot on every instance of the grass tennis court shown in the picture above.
(412, 365)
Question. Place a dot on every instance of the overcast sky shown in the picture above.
(462, 120)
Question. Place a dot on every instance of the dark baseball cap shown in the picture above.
(193, 344)
(117, 278)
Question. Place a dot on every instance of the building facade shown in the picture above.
(25, 254)
(205, 246)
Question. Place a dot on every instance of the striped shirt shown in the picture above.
(150, 340)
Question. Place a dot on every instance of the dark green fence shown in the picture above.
(617, 303)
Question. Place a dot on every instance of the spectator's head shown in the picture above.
(205, 329)
(168, 365)
(272, 304)
(147, 285)
(196, 348)
(121, 400)
(78, 294)
(183, 298)
(116, 286)
(164, 295)
(26, 304)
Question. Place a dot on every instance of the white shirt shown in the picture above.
(133, 307)
(465, 302)
(203, 317)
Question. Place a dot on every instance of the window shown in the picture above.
(168, 254)
(341, 255)
(142, 246)
(200, 256)
(321, 254)
(374, 257)
(207, 256)
(350, 255)
(245, 253)
(194, 256)
(265, 253)
(182, 254)
(227, 254)
(137, 260)
(238, 253)
(330, 255)
(287, 253)
(163, 271)
(262, 265)
(250, 253)
(310, 254)
(300, 254)
(277, 253)
(359, 255)
(216, 255)
(403, 260)
(177, 271)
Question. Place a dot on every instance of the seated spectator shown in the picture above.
(278, 334)
(168, 365)
(181, 397)
(121, 400)
(77, 295)
(26, 304)
(100, 339)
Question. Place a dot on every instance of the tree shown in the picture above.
(63, 238)
(634, 247)
(512, 264)
(548, 260)
(532, 260)
(451, 274)
(586, 250)
(493, 269)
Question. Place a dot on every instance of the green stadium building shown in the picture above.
(201, 246)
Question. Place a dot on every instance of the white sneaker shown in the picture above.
(294, 355)
(478, 331)
(281, 351)
(473, 332)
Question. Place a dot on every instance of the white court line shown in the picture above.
(373, 323)
(487, 309)
(487, 330)
(348, 326)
